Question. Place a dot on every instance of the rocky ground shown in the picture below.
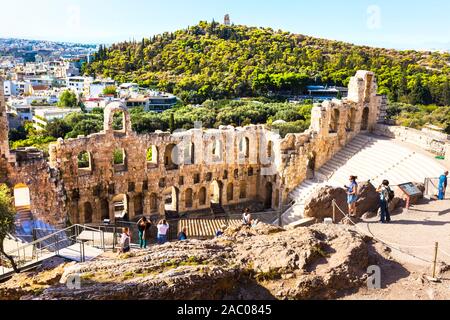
(266, 262)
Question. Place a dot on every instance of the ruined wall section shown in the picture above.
(47, 197)
(334, 124)
(195, 167)
(188, 171)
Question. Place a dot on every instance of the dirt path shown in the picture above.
(411, 237)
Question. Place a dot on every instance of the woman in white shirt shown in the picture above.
(163, 228)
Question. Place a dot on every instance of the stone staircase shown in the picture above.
(301, 194)
(371, 158)
(28, 230)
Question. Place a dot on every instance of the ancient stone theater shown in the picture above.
(118, 173)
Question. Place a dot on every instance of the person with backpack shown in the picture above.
(352, 196)
(386, 196)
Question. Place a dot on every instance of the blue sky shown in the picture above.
(396, 23)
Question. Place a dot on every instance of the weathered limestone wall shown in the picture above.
(205, 166)
(334, 124)
(188, 171)
(47, 197)
(435, 143)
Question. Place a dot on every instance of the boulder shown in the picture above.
(305, 263)
(395, 204)
(319, 205)
(368, 199)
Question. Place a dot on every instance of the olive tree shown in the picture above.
(7, 216)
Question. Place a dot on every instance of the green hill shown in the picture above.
(213, 61)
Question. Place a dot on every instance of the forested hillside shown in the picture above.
(214, 61)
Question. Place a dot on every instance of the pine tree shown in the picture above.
(172, 122)
(420, 93)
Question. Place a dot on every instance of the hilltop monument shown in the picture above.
(227, 20)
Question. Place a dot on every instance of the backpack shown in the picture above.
(391, 194)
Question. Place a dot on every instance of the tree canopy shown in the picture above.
(213, 61)
(68, 99)
(7, 218)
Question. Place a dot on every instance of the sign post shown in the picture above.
(410, 190)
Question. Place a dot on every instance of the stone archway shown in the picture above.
(171, 159)
(171, 200)
(230, 192)
(365, 119)
(311, 166)
(217, 192)
(268, 196)
(87, 212)
(153, 203)
(277, 199)
(188, 198)
(138, 205)
(22, 197)
(202, 197)
(120, 207)
(334, 122)
(351, 119)
(104, 209)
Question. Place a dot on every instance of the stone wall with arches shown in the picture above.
(119, 173)
(185, 171)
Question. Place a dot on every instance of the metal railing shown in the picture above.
(431, 187)
(51, 245)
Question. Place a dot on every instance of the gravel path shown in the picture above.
(415, 233)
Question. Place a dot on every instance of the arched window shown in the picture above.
(84, 161)
(153, 203)
(104, 208)
(22, 198)
(138, 205)
(334, 122)
(244, 147)
(277, 199)
(230, 192)
(87, 207)
(202, 196)
(171, 157)
(217, 150)
(188, 198)
(365, 119)
(351, 120)
(119, 122)
(152, 155)
(268, 196)
(243, 190)
(119, 160)
(120, 205)
(189, 154)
